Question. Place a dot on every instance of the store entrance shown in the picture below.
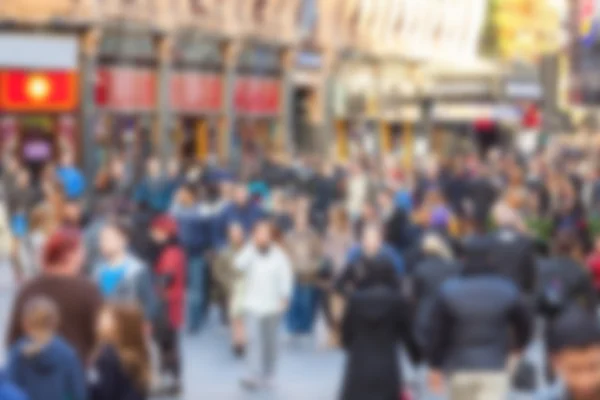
(198, 139)
(254, 139)
(301, 127)
(34, 140)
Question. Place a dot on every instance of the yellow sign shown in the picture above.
(38, 88)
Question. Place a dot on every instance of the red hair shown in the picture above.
(59, 245)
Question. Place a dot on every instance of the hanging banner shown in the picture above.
(194, 92)
(38, 91)
(257, 95)
(126, 89)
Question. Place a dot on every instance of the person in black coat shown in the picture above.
(398, 230)
(512, 253)
(477, 321)
(375, 320)
(436, 267)
(562, 280)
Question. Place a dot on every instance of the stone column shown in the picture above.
(90, 41)
(330, 64)
(288, 59)
(231, 51)
(163, 144)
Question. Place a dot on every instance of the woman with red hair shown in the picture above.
(78, 300)
(169, 269)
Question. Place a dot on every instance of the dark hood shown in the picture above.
(44, 360)
(375, 304)
(476, 259)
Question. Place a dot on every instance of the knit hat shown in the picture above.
(440, 217)
(165, 224)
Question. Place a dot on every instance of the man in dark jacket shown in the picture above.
(477, 321)
(376, 319)
(370, 252)
(482, 195)
(436, 267)
(512, 253)
(397, 226)
(562, 280)
(242, 211)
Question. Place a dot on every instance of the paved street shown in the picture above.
(211, 371)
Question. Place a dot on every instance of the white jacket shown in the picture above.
(269, 279)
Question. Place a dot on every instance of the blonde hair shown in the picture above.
(434, 245)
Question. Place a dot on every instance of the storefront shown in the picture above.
(400, 113)
(465, 112)
(356, 113)
(258, 103)
(308, 98)
(196, 101)
(39, 98)
(126, 99)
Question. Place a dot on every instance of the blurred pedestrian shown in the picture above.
(243, 210)
(574, 348)
(356, 191)
(30, 251)
(71, 178)
(563, 280)
(337, 243)
(396, 222)
(120, 275)
(155, 190)
(169, 270)
(370, 250)
(231, 282)
(269, 283)
(195, 234)
(77, 299)
(478, 320)
(120, 368)
(303, 246)
(593, 264)
(512, 251)
(41, 363)
(376, 319)
(437, 266)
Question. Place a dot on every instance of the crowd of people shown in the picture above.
(459, 259)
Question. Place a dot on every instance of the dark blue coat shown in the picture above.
(108, 380)
(53, 373)
(247, 215)
(9, 391)
(476, 321)
(156, 194)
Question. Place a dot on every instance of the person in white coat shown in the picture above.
(269, 282)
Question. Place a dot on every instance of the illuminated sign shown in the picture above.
(50, 91)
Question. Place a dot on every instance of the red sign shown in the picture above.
(257, 95)
(39, 91)
(126, 89)
(196, 92)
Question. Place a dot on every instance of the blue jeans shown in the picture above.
(196, 297)
(301, 315)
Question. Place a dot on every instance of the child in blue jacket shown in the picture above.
(43, 365)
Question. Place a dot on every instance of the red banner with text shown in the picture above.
(194, 92)
(257, 95)
(126, 89)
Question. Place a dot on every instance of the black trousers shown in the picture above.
(167, 340)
